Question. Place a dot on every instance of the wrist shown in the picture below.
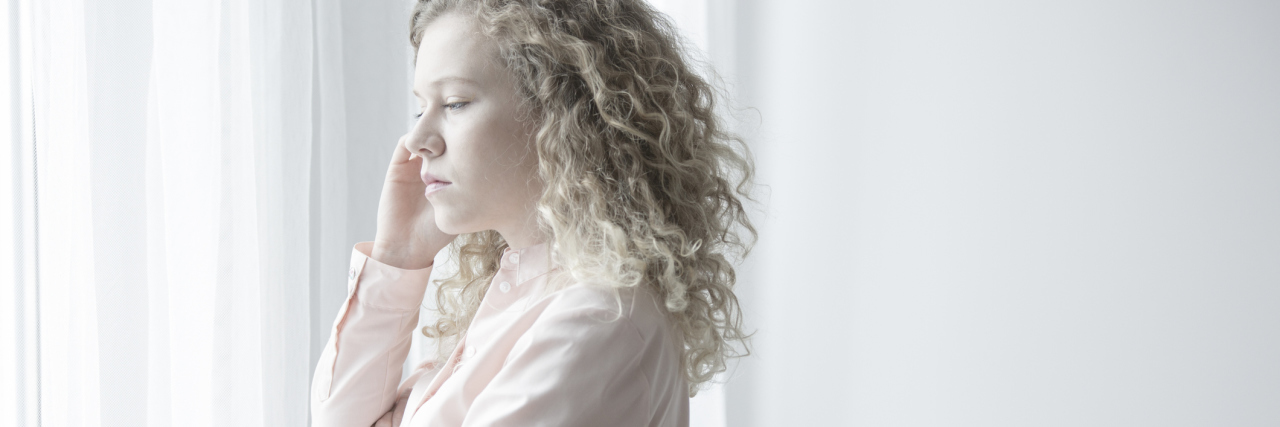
(400, 257)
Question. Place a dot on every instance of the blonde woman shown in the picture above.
(573, 162)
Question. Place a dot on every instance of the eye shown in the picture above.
(452, 106)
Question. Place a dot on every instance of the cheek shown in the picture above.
(519, 164)
(505, 156)
(497, 165)
(518, 150)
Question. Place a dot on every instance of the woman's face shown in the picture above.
(469, 137)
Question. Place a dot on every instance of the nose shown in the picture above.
(425, 139)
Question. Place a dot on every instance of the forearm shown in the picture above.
(355, 381)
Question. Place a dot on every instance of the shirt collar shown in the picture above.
(528, 263)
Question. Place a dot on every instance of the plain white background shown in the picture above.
(991, 213)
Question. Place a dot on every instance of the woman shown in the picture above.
(596, 201)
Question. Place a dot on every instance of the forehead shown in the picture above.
(452, 47)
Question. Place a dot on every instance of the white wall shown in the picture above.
(992, 213)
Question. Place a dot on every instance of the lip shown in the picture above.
(433, 183)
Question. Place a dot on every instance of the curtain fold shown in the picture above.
(191, 169)
(328, 202)
(68, 330)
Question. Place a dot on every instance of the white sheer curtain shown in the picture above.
(180, 222)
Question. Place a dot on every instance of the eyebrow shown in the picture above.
(448, 79)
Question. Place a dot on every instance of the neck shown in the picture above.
(523, 235)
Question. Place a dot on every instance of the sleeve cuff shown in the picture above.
(382, 286)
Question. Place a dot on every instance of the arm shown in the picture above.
(572, 368)
(355, 382)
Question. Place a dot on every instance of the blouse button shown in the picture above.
(515, 257)
(504, 287)
(352, 275)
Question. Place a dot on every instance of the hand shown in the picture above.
(407, 234)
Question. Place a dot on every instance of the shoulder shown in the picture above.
(614, 337)
(609, 309)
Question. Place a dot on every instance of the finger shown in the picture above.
(402, 153)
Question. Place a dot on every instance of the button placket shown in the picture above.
(513, 259)
(352, 277)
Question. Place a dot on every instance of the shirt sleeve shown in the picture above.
(575, 366)
(355, 382)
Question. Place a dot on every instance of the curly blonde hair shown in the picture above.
(644, 186)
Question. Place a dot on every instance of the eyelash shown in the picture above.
(449, 106)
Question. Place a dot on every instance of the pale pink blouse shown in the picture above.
(559, 359)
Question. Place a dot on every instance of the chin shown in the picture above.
(451, 224)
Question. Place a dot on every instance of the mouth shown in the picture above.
(433, 183)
